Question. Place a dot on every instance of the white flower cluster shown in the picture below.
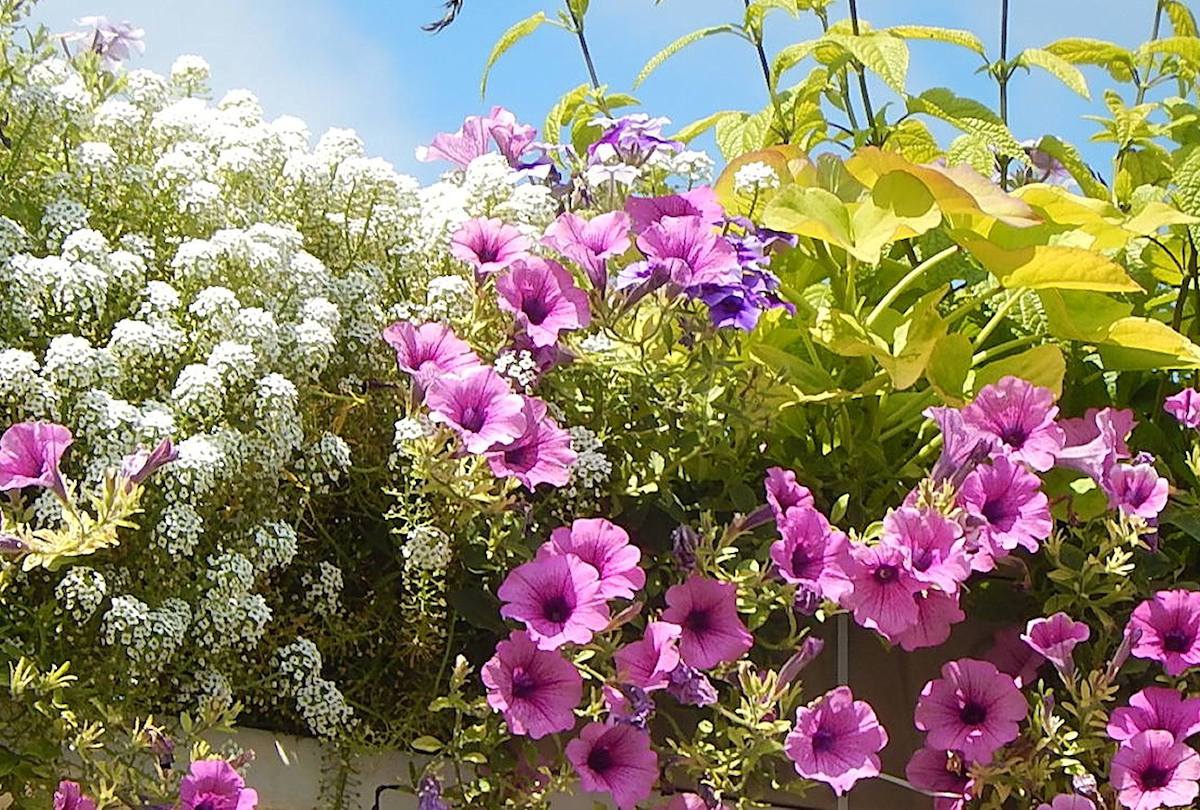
(323, 592)
(150, 637)
(297, 668)
(592, 467)
(427, 548)
(754, 178)
(80, 592)
(519, 367)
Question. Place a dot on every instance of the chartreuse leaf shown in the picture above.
(1082, 51)
(1057, 67)
(881, 53)
(812, 212)
(1072, 161)
(1041, 365)
(952, 36)
(790, 56)
(898, 207)
(1185, 48)
(1155, 216)
(1186, 180)
(517, 32)
(969, 116)
(1183, 22)
(1144, 343)
(972, 150)
(564, 110)
(914, 341)
(1081, 315)
(741, 133)
(699, 127)
(1042, 267)
(678, 45)
(788, 163)
(913, 140)
(948, 366)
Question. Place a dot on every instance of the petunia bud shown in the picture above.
(1132, 636)
(810, 648)
(1085, 785)
(807, 600)
(684, 542)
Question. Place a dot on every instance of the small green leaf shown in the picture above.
(427, 744)
(677, 46)
(1072, 161)
(1042, 365)
(1183, 22)
(1057, 67)
(1083, 51)
(563, 110)
(951, 36)
(517, 32)
(882, 54)
(698, 128)
(792, 55)
(948, 367)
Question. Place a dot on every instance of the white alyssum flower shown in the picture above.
(754, 178)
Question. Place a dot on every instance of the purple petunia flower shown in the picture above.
(536, 690)
(630, 139)
(1005, 508)
(540, 455)
(604, 546)
(1169, 627)
(1020, 417)
(213, 784)
(699, 202)
(488, 245)
(934, 545)
(558, 598)
(591, 243)
(474, 139)
(30, 454)
(973, 708)
(1136, 489)
(648, 663)
(1066, 801)
(810, 552)
(962, 446)
(1014, 657)
(428, 351)
(706, 612)
(937, 612)
(617, 760)
(688, 251)
(1055, 639)
(1096, 441)
(69, 796)
(943, 772)
(1153, 770)
(141, 464)
(512, 138)
(1156, 707)
(429, 794)
(883, 589)
(114, 41)
(783, 492)
(628, 704)
(479, 405)
(691, 687)
(836, 740)
(1185, 407)
(543, 297)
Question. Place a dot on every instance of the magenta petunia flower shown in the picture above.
(1170, 630)
(1020, 417)
(810, 552)
(213, 784)
(540, 455)
(429, 351)
(141, 464)
(591, 243)
(1014, 657)
(706, 612)
(536, 690)
(1156, 708)
(30, 455)
(1096, 441)
(941, 771)
(691, 687)
(1153, 770)
(1136, 489)
(512, 138)
(937, 612)
(1055, 639)
(479, 405)
(544, 299)
(604, 546)
(558, 598)
(1068, 802)
(488, 245)
(962, 445)
(973, 708)
(69, 796)
(1185, 407)
(783, 491)
(699, 202)
(934, 544)
(689, 252)
(472, 140)
(836, 740)
(883, 589)
(617, 760)
(1005, 508)
(648, 663)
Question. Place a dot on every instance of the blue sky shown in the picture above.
(366, 64)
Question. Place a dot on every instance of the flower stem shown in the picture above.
(904, 283)
(577, 19)
(1154, 32)
(904, 783)
(862, 76)
(756, 38)
(1002, 78)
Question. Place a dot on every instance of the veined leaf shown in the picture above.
(741, 133)
(948, 367)
(1186, 48)
(563, 110)
(1144, 343)
(882, 54)
(677, 46)
(913, 140)
(1183, 22)
(792, 55)
(1186, 180)
(1080, 315)
(952, 36)
(968, 115)
(1056, 66)
(517, 32)
(1049, 267)
(698, 128)
(914, 341)
(1157, 215)
(1083, 51)
(974, 150)
(1072, 161)
(757, 11)
(1042, 365)
(811, 212)
(786, 161)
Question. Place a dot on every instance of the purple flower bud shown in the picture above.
(759, 517)
(640, 709)
(1085, 785)
(810, 648)
(1132, 636)
(11, 545)
(141, 464)
(429, 794)
(807, 601)
(163, 748)
(691, 687)
(684, 541)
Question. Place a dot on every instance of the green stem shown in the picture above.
(1002, 77)
(997, 317)
(577, 19)
(904, 283)
(1154, 32)
(862, 77)
(756, 38)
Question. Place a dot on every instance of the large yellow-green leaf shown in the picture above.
(1186, 48)
(952, 36)
(517, 32)
(1082, 51)
(1183, 22)
(882, 54)
(1041, 365)
(899, 206)
(1157, 215)
(742, 132)
(913, 140)
(1144, 343)
(968, 115)
(812, 212)
(1080, 315)
(1050, 267)
(1057, 67)
(948, 367)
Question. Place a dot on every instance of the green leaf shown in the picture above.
(1142, 343)
(1186, 48)
(677, 46)
(1083, 51)
(1072, 161)
(698, 128)
(884, 55)
(737, 135)
(1043, 267)
(952, 36)
(792, 55)
(968, 115)
(812, 212)
(974, 151)
(427, 744)
(517, 32)
(948, 367)
(563, 111)
(1183, 22)
(1186, 180)
(1057, 67)
(1081, 315)
(1042, 365)
(912, 139)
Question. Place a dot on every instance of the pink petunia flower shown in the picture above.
(1005, 508)
(783, 491)
(213, 784)
(706, 612)
(1156, 708)
(1170, 630)
(1014, 657)
(690, 801)
(810, 552)
(690, 252)
(941, 771)
(591, 243)
(836, 740)
(648, 663)
(30, 455)
(973, 708)
(883, 589)
(536, 690)
(540, 455)
(1185, 407)
(544, 299)
(69, 796)
(937, 612)
(558, 598)
(472, 140)
(480, 406)
(1020, 417)
(605, 546)
(1096, 441)
(1069, 802)
(962, 445)
(934, 545)
(1136, 489)
(488, 245)
(699, 202)
(617, 760)
(512, 138)
(1055, 639)
(429, 351)
(1152, 770)
(141, 464)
